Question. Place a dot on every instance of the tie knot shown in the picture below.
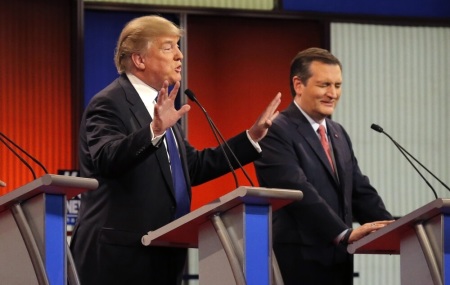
(321, 130)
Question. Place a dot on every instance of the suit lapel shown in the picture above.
(141, 115)
(307, 132)
(137, 107)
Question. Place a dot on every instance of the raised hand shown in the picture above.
(259, 129)
(165, 115)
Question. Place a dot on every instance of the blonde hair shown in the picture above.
(137, 36)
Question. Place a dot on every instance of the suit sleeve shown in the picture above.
(211, 163)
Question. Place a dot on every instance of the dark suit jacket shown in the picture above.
(293, 158)
(135, 193)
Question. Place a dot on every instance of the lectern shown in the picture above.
(33, 240)
(232, 234)
(422, 238)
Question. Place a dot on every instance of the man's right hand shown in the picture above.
(165, 115)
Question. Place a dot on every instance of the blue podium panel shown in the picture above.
(56, 239)
(446, 249)
(257, 245)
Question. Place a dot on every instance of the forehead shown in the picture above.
(324, 71)
(166, 39)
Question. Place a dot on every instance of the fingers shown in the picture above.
(162, 94)
(380, 224)
(183, 110)
(271, 112)
(174, 92)
(368, 228)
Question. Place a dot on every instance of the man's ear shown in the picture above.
(297, 84)
(138, 61)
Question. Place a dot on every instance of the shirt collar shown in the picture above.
(313, 123)
(146, 93)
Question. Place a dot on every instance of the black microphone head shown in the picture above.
(376, 128)
(190, 95)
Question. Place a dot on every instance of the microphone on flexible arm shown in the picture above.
(404, 152)
(216, 133)
(20, 157)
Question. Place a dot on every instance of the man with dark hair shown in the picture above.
(306, 150)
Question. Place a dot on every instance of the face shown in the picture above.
(161, 62)
(320, 95)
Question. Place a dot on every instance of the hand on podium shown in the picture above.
(2, 184)
(367, 229)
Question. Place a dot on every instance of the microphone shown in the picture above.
(216, 132)
(404, 152)
(24, 152)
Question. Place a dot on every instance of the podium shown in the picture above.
(422, 238)
(33, 240)
(232, 234)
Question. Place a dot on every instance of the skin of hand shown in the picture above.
(166, 115)
(259, 129)
(366, 229)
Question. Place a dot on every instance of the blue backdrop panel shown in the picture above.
(400, 8)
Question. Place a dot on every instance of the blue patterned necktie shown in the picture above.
(179, 181)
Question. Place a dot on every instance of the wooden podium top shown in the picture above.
(387, 240)
(183, 232)
(50, 184)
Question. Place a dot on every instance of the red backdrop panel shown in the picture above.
(236, 66)
(35, 102)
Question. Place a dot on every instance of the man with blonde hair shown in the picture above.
(130, 143)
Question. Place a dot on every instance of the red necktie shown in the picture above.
(325, 145)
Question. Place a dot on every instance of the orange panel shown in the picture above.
(35, 87)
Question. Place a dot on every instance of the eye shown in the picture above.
(167, 48)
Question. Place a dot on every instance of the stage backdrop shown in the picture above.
(35, 86)
(235, 65)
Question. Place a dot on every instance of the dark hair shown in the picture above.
(302, 61)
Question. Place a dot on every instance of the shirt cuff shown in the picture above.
(155, 140)
(343, 237)
(255, 144)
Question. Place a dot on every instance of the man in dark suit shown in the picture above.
(310, 236)
(124, 136)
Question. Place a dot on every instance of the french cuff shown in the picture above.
(255, 144)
